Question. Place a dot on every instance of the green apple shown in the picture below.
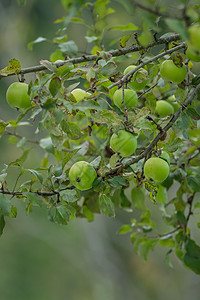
(163, 108)
(130, 98)
(156, 168)
(194, 36)
(192, 53)
(79, 94)
(17, 96)
(124, 143)
(174, 103)
(170, 72)
(82, 175)
(139, 79)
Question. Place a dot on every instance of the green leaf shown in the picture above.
(113, 160)
(167, 259)
(161, 195)
(37, 174)
(38, 40)
(117, 181)
(125, 229)
(194, 182)
(3, 126)
(72, 130)
(5, 205)
(192, 256)
(193, 113)
(69, 48)
(13, 68)
(69, 195)
(146, 246)
(96, 161)
(47, 145)
(138, 198)
(48, 65)
(106, 206)
(34, 198)
(54, 86)
(59, 214)
(13, 212)
(127, 27)
(177, 142)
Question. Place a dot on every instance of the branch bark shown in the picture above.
(114, 53)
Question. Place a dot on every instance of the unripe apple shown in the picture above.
(79, 94)
(193, 53)
(130, 98)
(164, 155)
(174, 103)
(156, 168)
(82, 175)
(163, 108)
(17, 96)
(139, 79)
(124, 143)
(194, 35)
(170, 72)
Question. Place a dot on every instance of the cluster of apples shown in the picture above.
(82, 174)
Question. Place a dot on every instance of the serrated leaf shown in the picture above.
(106, 206)
(117, 181)
(72, 130)
(69, 48)
(69, 195)
(34, 199)
(48, 65)
(54, 86)
(193, 113)
(13, 68)
(59, 214)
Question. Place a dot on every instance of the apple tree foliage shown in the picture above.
(67, 131)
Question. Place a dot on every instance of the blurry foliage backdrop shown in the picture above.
(41, 260)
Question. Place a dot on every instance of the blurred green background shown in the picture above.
(41, 260)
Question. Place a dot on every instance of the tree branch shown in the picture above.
(130, 74)
(114, 53)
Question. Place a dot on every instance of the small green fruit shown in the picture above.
(156, 168)
(174, 103)
(163, 108)
(130, 98)
(170, 72)
(139, 79)
(79, 94)
(124, 143)
(17, 96)
(82, 175)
